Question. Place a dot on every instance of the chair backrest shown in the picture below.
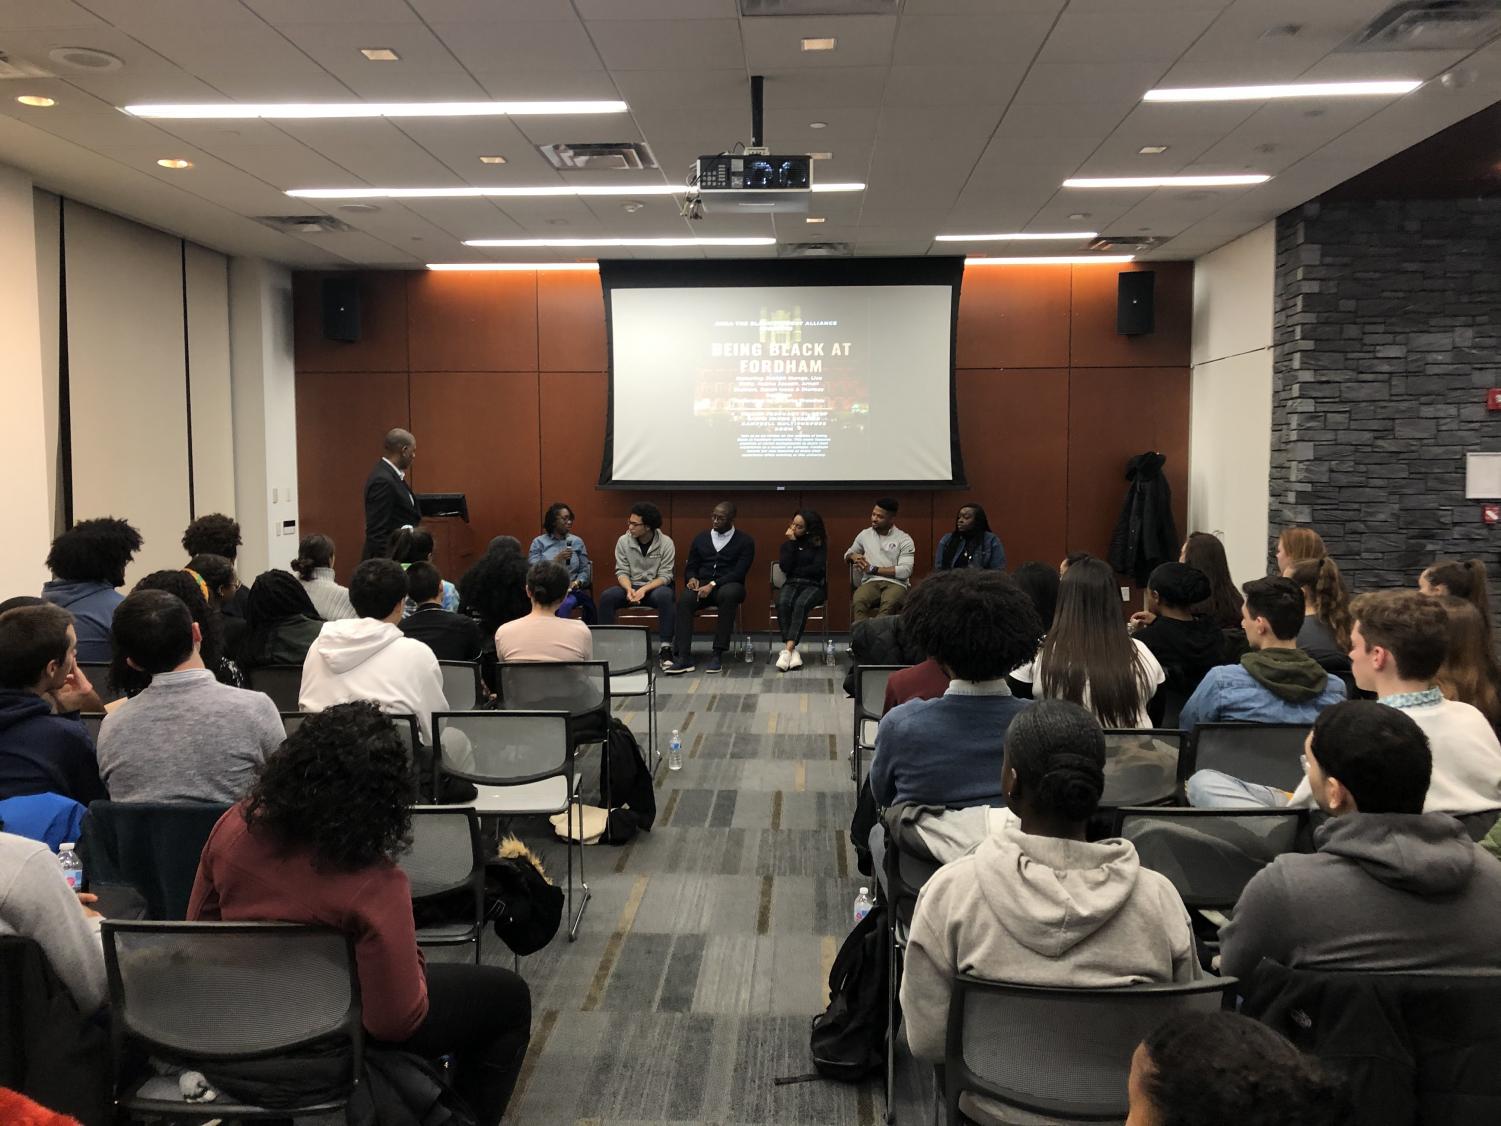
(445, 850)
(283, 683)
(504, 748)
(1141, 767)
(460, 684)
(98, 674)
(870, 698)
(626, 649)
(1211, 854)
(222, 991)
(1057, 1051)
(151, 846)
(580, 688)
(405, 723)
(92, 722)
(905, 876)
(1266, 753)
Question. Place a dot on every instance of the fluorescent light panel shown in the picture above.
(757, 241)
(239, 110)
(513, 265)
(1019, 236)
(503, 192)
(1286, 90)
(1166, 181)
(1061, 260)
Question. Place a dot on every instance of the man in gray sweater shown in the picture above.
(884, 555)
(1391, 889)
(185, 737)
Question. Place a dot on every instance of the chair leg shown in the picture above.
(574, 920)
(891, 1022)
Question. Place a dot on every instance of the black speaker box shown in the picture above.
(1135, 302)
(341, 309)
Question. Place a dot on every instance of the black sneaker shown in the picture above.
(673, 668)
(664, 655)
(714, 664)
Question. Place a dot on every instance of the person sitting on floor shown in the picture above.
(542, 635)
(88, 564)
(450, 635)
(1391, 889)
(713, 576)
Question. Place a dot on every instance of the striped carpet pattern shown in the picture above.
(706, 947)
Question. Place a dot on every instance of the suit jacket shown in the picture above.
(389, 505)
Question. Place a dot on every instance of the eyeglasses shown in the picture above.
(635, 524)
(1303, 762)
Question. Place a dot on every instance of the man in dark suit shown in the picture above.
(389, 504)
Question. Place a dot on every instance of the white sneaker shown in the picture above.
(797, 660)
(784, 659)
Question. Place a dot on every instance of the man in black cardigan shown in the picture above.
(389, 504)
(715, 574)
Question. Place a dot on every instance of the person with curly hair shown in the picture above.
(316, 843)
(1036, 903)
(558, 544)
(493, 590)
(218, 534)
(1209, 1069)
(88, 564)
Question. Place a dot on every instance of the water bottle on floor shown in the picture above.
(675, 752)
(863, 904)
(72, 866)
(750, 650)
(828, 652)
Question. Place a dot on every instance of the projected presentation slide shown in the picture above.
(781, 385)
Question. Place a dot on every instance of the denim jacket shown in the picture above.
(546, 547)
(1229, 694)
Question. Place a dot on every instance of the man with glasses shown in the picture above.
(714, 575)
(644, 563)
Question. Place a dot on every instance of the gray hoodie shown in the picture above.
(1040, 911)
(1385, 892)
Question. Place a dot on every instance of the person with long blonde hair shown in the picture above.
(1295, 545)
(1470, 672)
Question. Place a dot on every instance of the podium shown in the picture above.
(446, 516)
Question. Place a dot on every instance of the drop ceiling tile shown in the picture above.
(953, 86)
(1107, 37)
(970, 40)
(216, 52)
(693, 90)
(461, 141)
(979, 7)
(534, 45)
(834, 88)
(32, 44)
(336, 47)
(1158, 123)
(373, 151)
(18, 15)
(461, 218)
(168, 84)
(777, 43)
(1072, 120)
(1068, 83)
(551, 84)
(288, 12)
(657, 9)
(668, 45)
(492, 11)
(131, 14)
(792, 129)
(957, 125)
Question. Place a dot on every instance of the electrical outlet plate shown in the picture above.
(1125, 594)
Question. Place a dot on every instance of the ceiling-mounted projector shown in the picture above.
(754, 182)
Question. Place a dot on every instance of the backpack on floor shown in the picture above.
(625, 786)
(848, 1041)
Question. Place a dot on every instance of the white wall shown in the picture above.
(1230, 416)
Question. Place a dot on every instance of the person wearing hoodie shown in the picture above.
(1035, 903)
(1185, 645)
(280, 622)
(369, 658)
(1390, 889)
(88, 564)
(44, 749)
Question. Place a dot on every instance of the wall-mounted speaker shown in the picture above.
(341, 309)
(1135, 302)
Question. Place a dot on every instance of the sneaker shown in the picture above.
(797, 660)
(784, 660)
(664, 655)
(676, 668)
(714, 664)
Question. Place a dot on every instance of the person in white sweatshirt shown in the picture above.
(1035, 903)
(369, 658)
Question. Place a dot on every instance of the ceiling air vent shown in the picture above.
(813, 250)
(1430, 25)
(599, 156)
(12, 67)
(819, 7)
(1126, 244)
(305, 224)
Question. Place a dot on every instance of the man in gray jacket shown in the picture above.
(1391, 889)
(644, 563)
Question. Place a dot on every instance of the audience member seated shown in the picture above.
(1276, 682)
(217, 534)
(314, 568)
(1298, 545)
(1325, 633)
(36, 903)
(1213, 1069)
(415, 545)
(927, 679)
(1069, 560)
(44, 749)
(88, 564)
(804, 560)
(224, 591)
(558, 544)
(1391, 889)
(1465, 580)
(316, 843)
(1039, 582)
(1470, 672)
(880, 641)
(1185, 645)
(493, 590)
(884, 556)
(1035, 904)
(369, 658)
(1204, 551)
(450, 635)
(128, 680)
(645, 561)
(713, 576)
(184, 737)
(280, 622)
(1089, 657)
(970, 544)
(542, 635)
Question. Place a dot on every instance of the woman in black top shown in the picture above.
(804, 561)
(280, 622)
(1185, 645)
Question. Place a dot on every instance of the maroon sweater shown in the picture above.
(923, 681)
(243, 876)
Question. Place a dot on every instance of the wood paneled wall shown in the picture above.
(502, 378)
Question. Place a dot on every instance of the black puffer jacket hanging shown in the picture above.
(1145, 534)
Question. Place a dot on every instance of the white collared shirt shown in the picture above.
(722, 538)
(997, 687)
(399, 473)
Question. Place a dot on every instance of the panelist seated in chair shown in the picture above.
(645, 561)
(1391, 889)
(542, 635)
(558, 544)
(714, 576)
(883, 554)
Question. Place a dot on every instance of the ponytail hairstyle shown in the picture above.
(1470, 672)
(1323, 586)
(1302, 543)
(313, 552)
(1089, 647)
(1465, 580)
(411, 545)
(1056, 749)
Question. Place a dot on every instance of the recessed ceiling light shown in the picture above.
(37, 100)
(1166, 181)
(818, 125)
(820, 156)
(492, 160)
(1286, 90)
(221, 110)
(1077, 215)
(174, 162)
(548, 190)
(631, 206)
(1019, 236)
(380, 54)
(815, 219)
(1067, 260)
(820, 44)
(1151, 150)
(620, 242)
(513, 265)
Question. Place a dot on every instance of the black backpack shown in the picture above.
(848, 1041)
(625, 786)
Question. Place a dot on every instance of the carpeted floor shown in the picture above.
(705, 950)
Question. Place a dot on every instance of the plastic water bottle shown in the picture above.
(863, 904)
(828, 652)
(748, 654)
(675, 752)
(72, 866)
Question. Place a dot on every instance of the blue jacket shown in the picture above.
(945, 751)
(93, 608)
(42, 753)
(547, 547)
(990, 557)
(1230, 694)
